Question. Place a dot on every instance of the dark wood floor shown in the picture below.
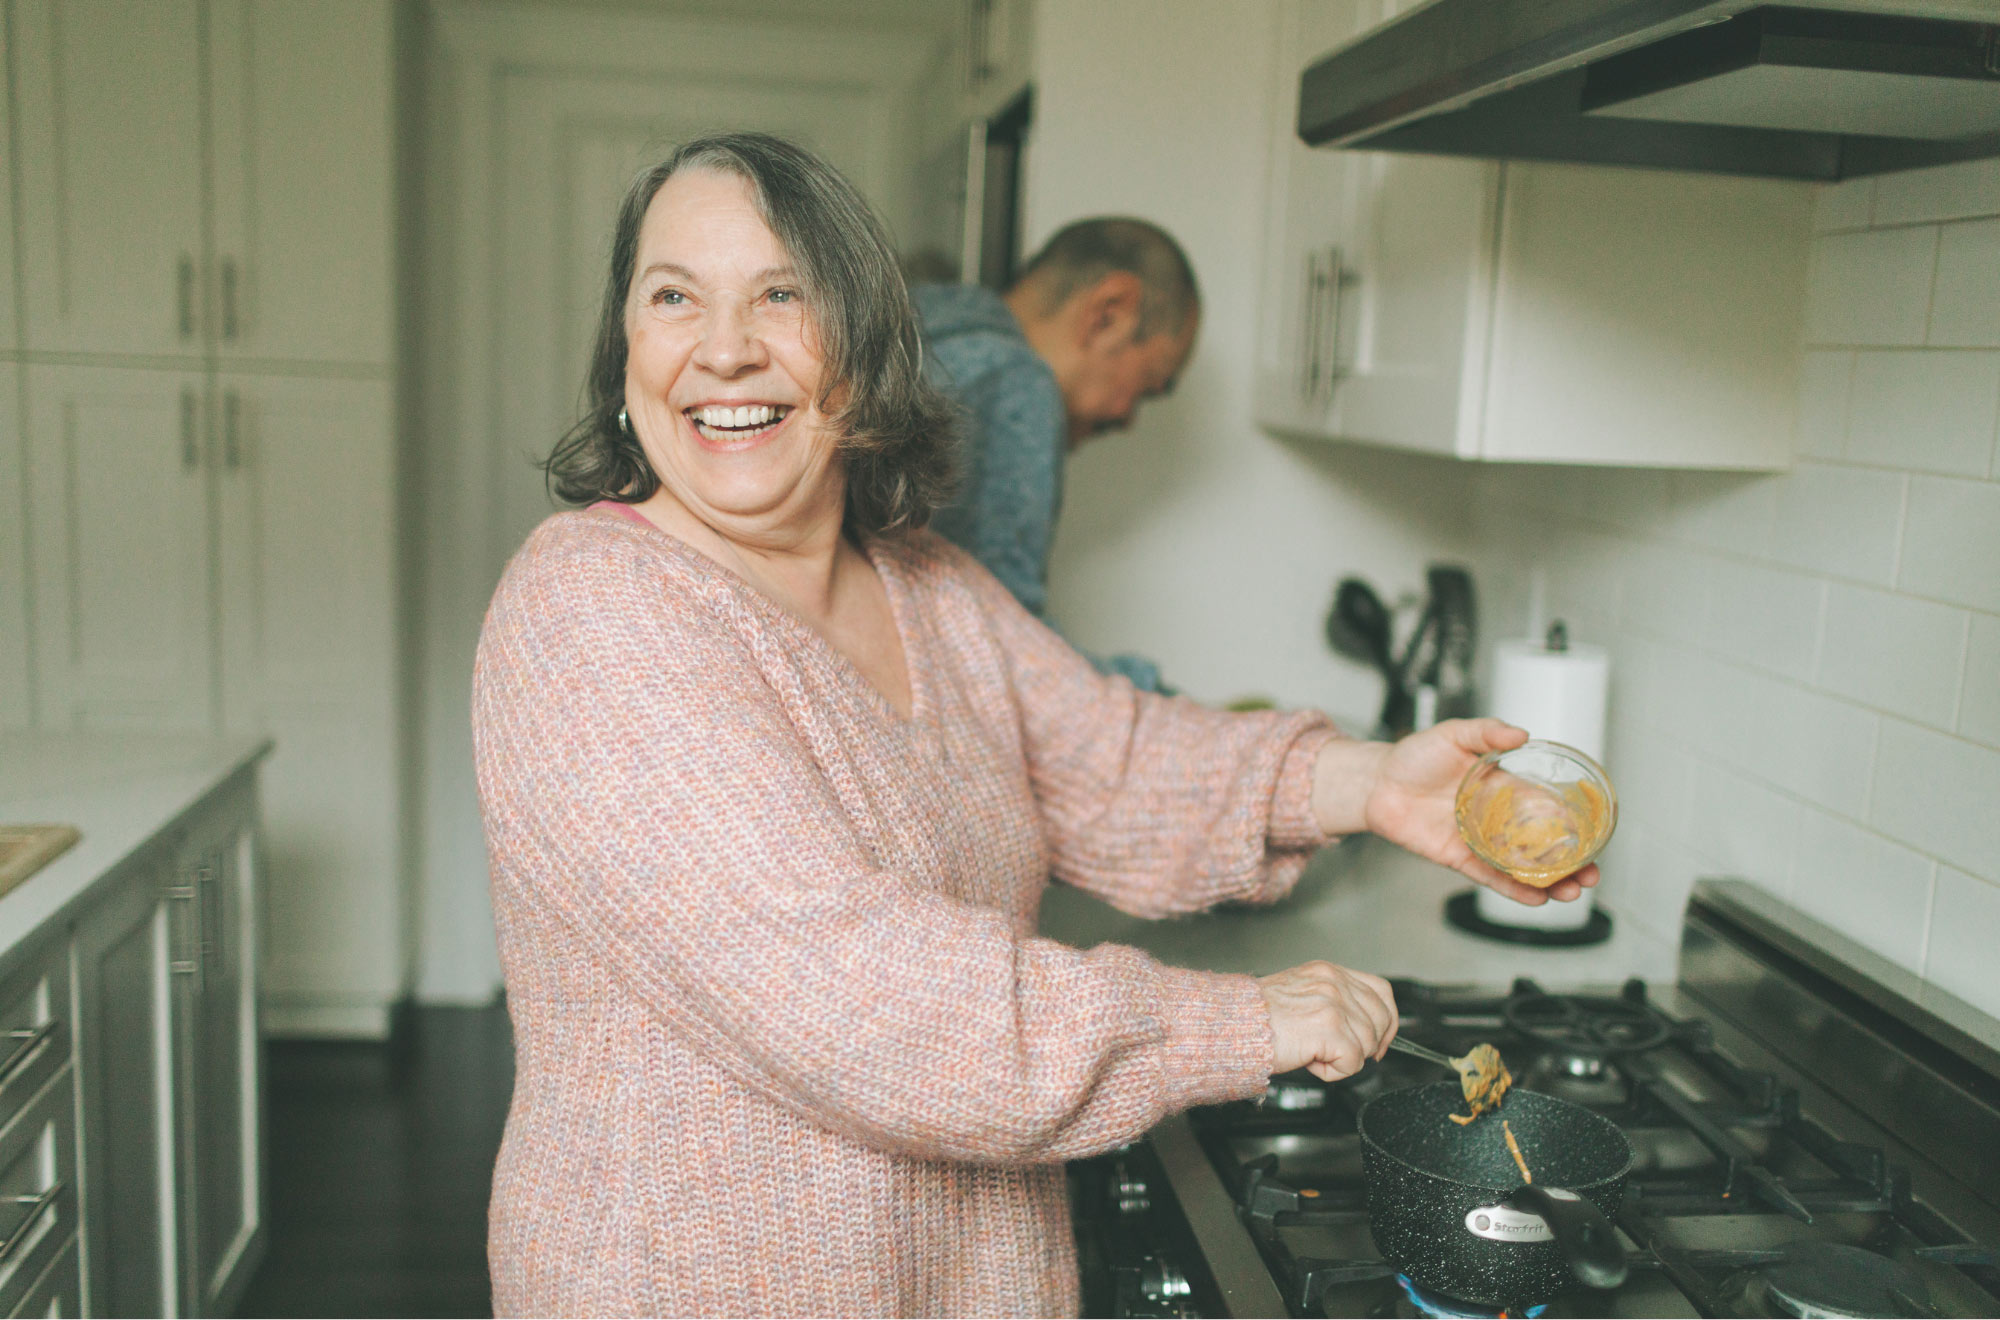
(381, 1159)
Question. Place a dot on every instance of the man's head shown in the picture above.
(1111, 305)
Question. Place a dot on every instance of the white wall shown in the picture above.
(1807, 665)
(1196, 539)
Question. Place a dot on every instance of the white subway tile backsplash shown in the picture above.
(1928, 411)
(1871, 288)
(1815, 747)
(1739, 827)
(1806, 667)
(1936, 792)
(1824, 379)
(1892, 652)
(1841, 521)
(1843, 205)
(1951, 546)
(1647, 879)
(1965, 918)
(1943, 192)
(1865, 887)
(1730, 511)
(1979, 705)
(1965, 305)
(1665, 592)
(1654, 779)
(1766, 617)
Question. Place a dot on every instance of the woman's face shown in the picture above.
(722, 372)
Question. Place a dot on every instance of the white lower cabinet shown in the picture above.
(169, 1070)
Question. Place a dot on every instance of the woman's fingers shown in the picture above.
(1328, 1019)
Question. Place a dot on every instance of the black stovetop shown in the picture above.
(1739, 1201)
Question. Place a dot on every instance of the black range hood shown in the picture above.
(1833, 91)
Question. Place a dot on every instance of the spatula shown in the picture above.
(1482, 1077)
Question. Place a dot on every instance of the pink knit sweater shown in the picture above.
(787, 1041)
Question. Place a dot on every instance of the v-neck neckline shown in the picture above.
(902, 616)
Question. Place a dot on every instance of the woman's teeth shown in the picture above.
(736, 421)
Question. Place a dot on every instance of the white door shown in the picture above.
(302, 107)
(118, 488)
(308, 537)
(573, 146)
(111, 202)
(16, 636)
(10, 331)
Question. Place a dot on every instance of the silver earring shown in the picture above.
(624, 422)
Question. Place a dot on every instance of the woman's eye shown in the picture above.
(669, 298)
(784, 295)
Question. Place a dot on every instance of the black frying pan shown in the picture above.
(1447, 1207)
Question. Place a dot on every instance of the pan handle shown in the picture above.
(1583, 1235)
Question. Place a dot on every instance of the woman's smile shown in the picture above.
(729, 427)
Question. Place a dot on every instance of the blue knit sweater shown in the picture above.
(1013, 440)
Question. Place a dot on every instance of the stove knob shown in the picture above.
(1129, 1192)
(1161, 1281)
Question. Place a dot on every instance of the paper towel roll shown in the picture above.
(1559, 696)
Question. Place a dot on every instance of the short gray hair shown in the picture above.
(896, 428)
(1085, 251)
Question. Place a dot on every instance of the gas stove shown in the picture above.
(1814, 1133)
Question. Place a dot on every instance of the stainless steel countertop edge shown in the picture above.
(1232, 1255)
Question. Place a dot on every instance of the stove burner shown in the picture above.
(1580, 1077)
(1436, 1303)
(1829, 1279)
(1613, 1026)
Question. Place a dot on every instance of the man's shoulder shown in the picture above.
(969, 334)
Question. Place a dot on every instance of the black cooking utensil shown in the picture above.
(1447, 1206)
(1360, 627)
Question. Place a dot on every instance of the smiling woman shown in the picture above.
(854, 339)
(773, 781)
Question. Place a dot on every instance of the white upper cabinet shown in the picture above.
(302, 112)
(10, 332)
(111, 197)
(1524, 311)
(118, 465)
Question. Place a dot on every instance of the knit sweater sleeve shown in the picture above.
(1159, 805)
(642, 782)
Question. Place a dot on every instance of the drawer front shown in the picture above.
(35, 1027)
(59, 1291)
(38, 1200)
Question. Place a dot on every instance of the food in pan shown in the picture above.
(1483, 1079)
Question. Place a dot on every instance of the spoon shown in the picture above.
(1482, 1077)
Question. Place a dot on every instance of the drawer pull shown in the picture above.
(35, 1204)
(31, 1045)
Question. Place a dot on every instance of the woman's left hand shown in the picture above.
(1406, 791)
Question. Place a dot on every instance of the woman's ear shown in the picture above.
(1110, 311)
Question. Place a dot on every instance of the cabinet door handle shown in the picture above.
(1331, 305)
(232, 428)
(32, 1040)
(35, 1204)
(190, 442)
(229, 298)
(185, 281)
(1309, 332)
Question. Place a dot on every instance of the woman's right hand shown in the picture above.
(1328, 1019)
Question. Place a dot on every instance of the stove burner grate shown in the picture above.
(1830, 1279)
(1612, 1026)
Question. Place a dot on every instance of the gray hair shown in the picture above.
(896, 429)
(1085, 251)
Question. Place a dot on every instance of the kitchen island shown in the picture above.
(1366, 904)
(131, 1092)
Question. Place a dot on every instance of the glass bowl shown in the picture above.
(1538, 813)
